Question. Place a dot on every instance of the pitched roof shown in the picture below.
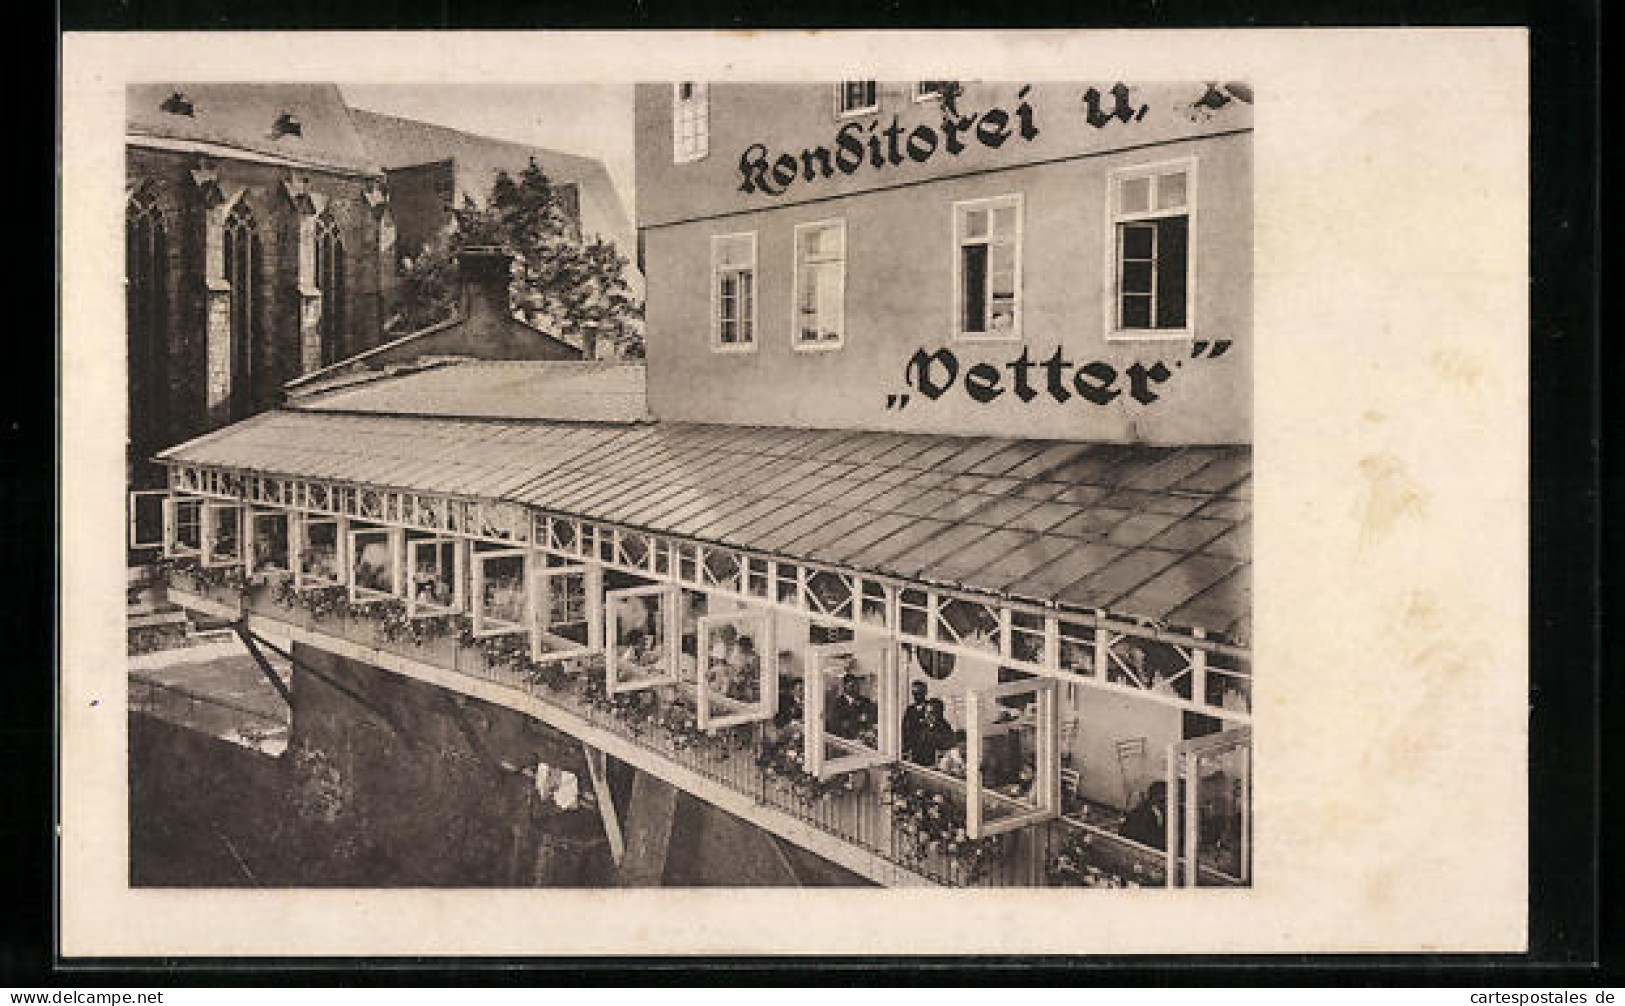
(1147, 532)
(240, 117)
(570, 391)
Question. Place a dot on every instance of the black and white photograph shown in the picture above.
(861, 497)
(585, 507)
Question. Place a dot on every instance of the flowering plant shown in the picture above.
(1076, 865)
(635, 709)
(200, 577)
(928, 822)
(785, 760)
(321, 602)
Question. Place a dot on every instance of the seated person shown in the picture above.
(785, 728)
(792, 704)
(372, 566)
(1022, 786)
(318, 560)
(269, 554)
(852, 712)
(952, 761)
(1147, 822)
(649, 650)
(225, 544)
(635, 649)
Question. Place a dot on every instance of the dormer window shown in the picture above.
(177, 104)
(287, 124)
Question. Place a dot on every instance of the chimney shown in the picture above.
(483, 273)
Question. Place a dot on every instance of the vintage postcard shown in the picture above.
(644, 493)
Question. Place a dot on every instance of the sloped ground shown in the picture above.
(390, 782)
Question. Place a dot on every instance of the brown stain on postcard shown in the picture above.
(1390, 495)
(1457, 366)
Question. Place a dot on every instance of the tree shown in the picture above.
(563, 282)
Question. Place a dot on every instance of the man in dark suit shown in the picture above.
(1147, 822)
(914, 715)
(852, 712)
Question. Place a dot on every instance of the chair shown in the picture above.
(1131, 749)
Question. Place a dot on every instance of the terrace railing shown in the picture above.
(860, 812)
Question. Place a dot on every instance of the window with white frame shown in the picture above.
(375, 563)
(856, 97)
(690, 122)
(739, 679)
(1013, 763)
(501, 584)
(319, 544)
(733, 291)
(222, 534)
(147, 518)
(567, 609)
(987, 273)
(1150, 263)
(820, 285)
(641, 632)
(270, 545)
(435, 575)
(927, 90)
(183, 526)
(851, 706)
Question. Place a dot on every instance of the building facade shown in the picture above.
(1064, 258)
(923, 541)
(259, 247)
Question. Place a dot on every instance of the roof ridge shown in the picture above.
(478, 137)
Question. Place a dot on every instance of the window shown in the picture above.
(987, 278)
(1151, 210)
(435, 567)
(733, 291)
(222, 534)
(375, 563)
(641, 632)
(820, 278)
(146, 267)
(567, 618)
(183, 527)
(929, 90)
(501, 591)
(319, 546)
(242, 272)
(1012, 766)
(690, 122)
(330, 280)
(739, 683)
(856, 97)
(147, 518)
(269, 543)
(852, 713)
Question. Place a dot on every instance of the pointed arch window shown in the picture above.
(330, 280)
(146, 260)
(244, 254)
